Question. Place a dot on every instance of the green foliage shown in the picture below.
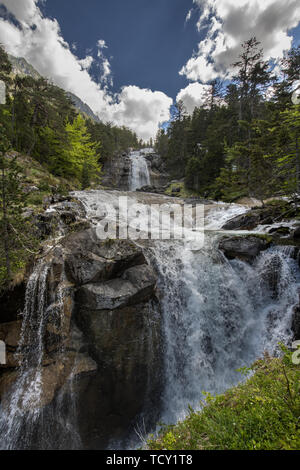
(261, 414)
(240, 142)
(80, 154)
(15, 234)
(41, 121)
(114, 140)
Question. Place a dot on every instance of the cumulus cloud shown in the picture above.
(24, 11)
(229, 23)
(106, 75)
(87, 62)
(143, 108)
(194, 95)
(39, 40)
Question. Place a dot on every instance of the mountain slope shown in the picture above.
(23, 68)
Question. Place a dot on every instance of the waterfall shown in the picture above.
(218, 315)
(139, 175)
(25, 421)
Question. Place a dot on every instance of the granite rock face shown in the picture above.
(119, 316)
(102, 333)
(116, 171)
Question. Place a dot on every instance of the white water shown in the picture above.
(139, 175)
(217, 315)
(27, 390)
(24, 422)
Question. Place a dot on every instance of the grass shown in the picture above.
(262, 413)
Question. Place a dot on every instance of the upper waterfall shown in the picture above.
(139, 175)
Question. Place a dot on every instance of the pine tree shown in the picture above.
(80, 152)
(11, 203)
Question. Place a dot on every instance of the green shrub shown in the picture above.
(262, 413)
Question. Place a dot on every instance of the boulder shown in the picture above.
(296, 233)
(89, 259)
(254, 217)
(245, 248)
(135, 285)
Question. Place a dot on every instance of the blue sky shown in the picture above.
(148, 40)
(130, 60)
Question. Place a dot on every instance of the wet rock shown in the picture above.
(10, 333)
(126, 344)
(296, 233)
(135, 285)
(68, 217)
(116, 172)
(53, 378)
(67, 207)
(46, 223)
(89, 259)
(153, 189)
(272, 273)
(12, 303)
(245, 248)
(296, 321)
(257, 216)
(280, 231)
(6, 381)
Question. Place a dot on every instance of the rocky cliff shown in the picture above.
(116, 171)
(99, 342)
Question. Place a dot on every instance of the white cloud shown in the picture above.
(189, 15)
(87, 62)
(106, 75)
(143, 109)
(102, 44)
(229, 23)
(44, 47)
(194, 95)
(24, 10)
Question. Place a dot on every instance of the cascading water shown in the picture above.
(27, 389)
(25, 422)
(139, 175)
(218, 315)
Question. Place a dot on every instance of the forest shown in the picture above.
(40, 120)
(244, 139)
(39, 123)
